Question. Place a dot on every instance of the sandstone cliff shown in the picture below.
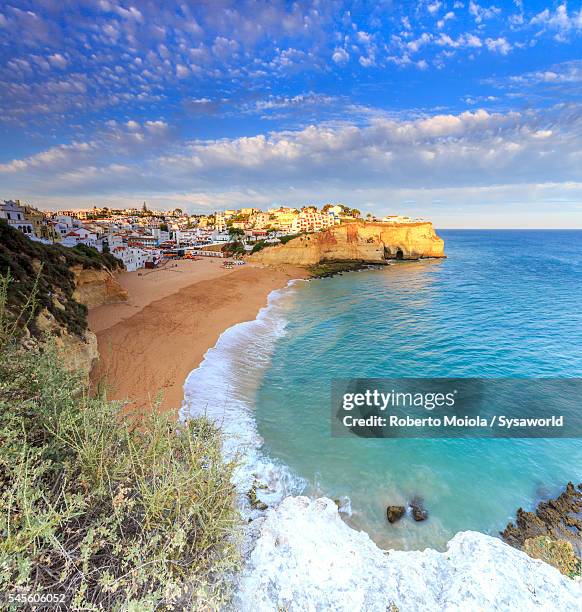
(78, 351)
(359, 241)
(95, 287)
(63, 284)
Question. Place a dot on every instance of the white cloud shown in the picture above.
(182, 71)
(56, 59)
(559, 21)
(433, 8)
(481, 13)
(498, 45)
(340, 56)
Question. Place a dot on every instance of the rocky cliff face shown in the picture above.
(64, 283)
(307, 558)
(95, 287)
(359, 241)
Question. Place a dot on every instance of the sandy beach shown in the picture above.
(150, 344)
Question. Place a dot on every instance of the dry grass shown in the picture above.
(108, 515)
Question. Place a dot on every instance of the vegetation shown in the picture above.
(346, 210)
(23, 259)
(233, 248)
(103, 513)
(559, 553)
(286, 239)
(235, 233)
(260, 245)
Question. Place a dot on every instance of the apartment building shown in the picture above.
(311, 220)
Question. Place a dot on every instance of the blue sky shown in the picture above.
(467, 113)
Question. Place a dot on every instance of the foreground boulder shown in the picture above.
(395, 513)
(306, 558)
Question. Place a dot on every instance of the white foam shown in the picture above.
(223, 388)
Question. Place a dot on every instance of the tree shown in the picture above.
(235, 232)
(356, 213)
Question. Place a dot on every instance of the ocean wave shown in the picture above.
(223, 388)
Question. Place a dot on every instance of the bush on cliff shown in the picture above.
(47, 268)
(98, 511)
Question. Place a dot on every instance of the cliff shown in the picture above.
(359, 241)
(95, 287)
(64, 283)
(307, 558)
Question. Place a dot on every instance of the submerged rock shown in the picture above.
(419, 513)
(306, 558)
(395, 513)
(254, 501)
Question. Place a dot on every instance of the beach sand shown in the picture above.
(150, 344)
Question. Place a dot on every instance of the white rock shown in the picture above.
(307, 559)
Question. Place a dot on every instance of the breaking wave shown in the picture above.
(223, 388)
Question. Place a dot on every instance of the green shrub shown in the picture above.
(107, 513)
(286, 239)
(259, 246)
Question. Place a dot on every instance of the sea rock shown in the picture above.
(306, 558)
(357, 241)
(254, 501)
(395, 513)
(551, 517)
(544, 533)
(419, 513)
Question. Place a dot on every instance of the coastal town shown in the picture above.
(143, 237)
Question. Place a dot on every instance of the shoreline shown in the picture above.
(148, 348)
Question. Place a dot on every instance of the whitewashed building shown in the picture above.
(14, 215)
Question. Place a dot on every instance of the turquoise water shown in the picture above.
(504, 304)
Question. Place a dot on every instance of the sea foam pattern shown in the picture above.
(223, 388)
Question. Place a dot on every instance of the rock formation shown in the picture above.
(553, 532)
(78, 351)
(418, 510)
(358, 241)
(95, 287)
(395, 513)
(62, 283)
(307, 558)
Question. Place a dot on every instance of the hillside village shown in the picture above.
(142, 237)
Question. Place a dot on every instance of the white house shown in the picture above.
(79, 235)
(132, 257)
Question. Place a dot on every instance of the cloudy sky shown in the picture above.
(463, 112)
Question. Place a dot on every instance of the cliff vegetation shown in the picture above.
(98, 512)
(49, 272)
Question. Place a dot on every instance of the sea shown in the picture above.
(503, 304)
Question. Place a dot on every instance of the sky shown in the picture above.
(465, 113)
